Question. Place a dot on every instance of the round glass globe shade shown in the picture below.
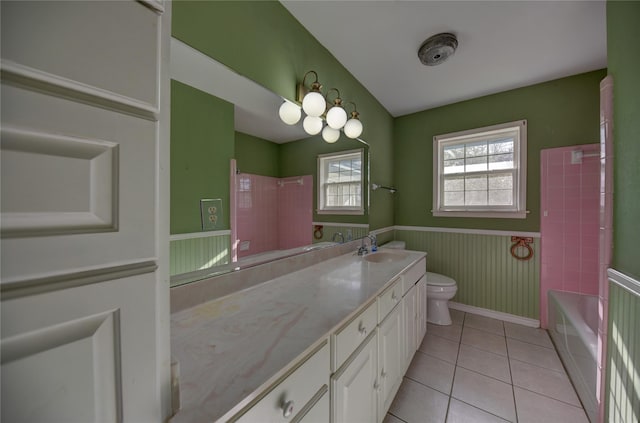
(314, 104)
(312, 125)
(330, 135)
(353, 128)
(336, 117)
(289, 113)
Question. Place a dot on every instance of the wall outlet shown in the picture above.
(211, 213)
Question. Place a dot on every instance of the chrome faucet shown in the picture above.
(338, 234)
(363, 248)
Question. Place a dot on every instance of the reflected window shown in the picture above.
(340, 183)
(481, 172)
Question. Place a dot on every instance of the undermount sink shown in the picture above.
(384, 257)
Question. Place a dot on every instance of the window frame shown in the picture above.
(519, 209)
(323, 166)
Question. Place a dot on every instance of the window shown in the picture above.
(481, 172)
(340, 183)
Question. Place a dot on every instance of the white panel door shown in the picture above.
(84, 211)
(390, 359)
(354, 388)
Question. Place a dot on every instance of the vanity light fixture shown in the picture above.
(336, 116)
(313, 102)
(330, 135)
(353, 127)
(315, 105)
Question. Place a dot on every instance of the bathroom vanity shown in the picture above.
(330, 342)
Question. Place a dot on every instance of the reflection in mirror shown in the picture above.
(267, 157)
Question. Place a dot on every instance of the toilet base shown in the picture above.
(438, 312)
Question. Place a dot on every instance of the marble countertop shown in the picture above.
(230, 348)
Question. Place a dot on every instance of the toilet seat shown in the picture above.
(436, 279)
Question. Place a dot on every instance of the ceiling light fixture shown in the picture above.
(315, 105)
(437, 49)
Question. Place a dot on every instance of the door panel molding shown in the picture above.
(95, 161)
(11, 289)
(58, 86)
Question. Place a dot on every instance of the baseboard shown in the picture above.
(512, 318)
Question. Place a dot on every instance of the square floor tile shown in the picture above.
(487, 324)
(534, 354)
(457, 316)
(431, 371)
(484, 362)
(451, 332)
(416, 403)
(544, 381)
(440, 347)
(484, 340)
(526, 334)
(534, 408)
(485, 393)
(389, 418)
(459, 412)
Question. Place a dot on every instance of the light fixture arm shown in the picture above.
(337, 101)
(354, 114)
(302, 87)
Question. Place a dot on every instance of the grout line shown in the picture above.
(427, 386)
(513, 389)
(481, 409)
(542, 367)
(455, 368)
(552, 398)
(389, 412)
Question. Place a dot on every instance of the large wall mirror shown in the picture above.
(244, 184)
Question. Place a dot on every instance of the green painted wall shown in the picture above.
(189, 255)
(300, 158)
(261, 40)
(559, 113)
(202, 139)
(623, 33)
(486, 274)
(256, 155)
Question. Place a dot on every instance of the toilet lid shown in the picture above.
(439, 280)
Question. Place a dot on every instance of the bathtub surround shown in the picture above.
(488, 277)
(271, 213)
(329, 229)
(570, 194)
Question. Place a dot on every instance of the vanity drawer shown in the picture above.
(291, 392)
(413, 275)
(347, 339)
(389, 299)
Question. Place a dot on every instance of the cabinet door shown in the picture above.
(410, 305)
(422, 309)
(390, 359)
(354, 387)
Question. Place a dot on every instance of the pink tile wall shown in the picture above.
(272, 213)
(256, 213)
(606, 229)
(570, 222)
(295, 202)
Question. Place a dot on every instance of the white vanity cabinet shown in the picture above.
(422, 309)
(410, 308)
(296, 394)
(354, 388)
(390, 359)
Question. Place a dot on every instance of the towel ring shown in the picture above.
(318, 233)
(521, 242)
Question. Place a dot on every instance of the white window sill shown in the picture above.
(485, 214)
(350, 212)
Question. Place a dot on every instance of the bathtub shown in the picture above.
(573, 326)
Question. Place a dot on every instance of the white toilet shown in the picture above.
(440, 289)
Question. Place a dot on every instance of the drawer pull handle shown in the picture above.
(287, 409)
(376, 386)
(393, 296)
(383, 374)
(362, 329)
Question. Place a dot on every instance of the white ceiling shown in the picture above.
(502, 45)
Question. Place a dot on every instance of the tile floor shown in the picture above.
(485, 370)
